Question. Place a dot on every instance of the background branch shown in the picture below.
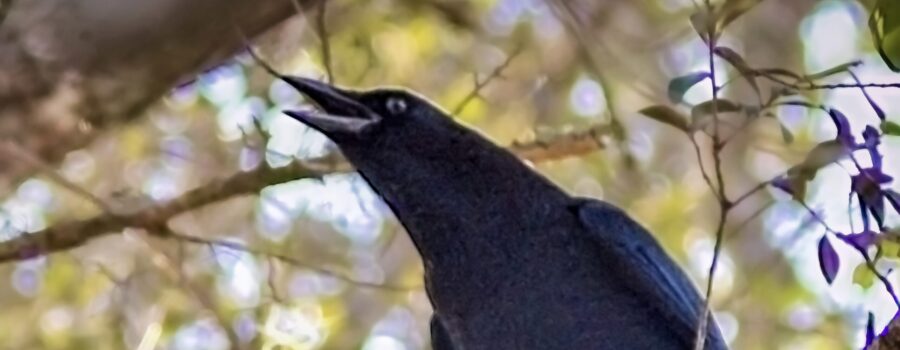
(68, 235)
(74, 68)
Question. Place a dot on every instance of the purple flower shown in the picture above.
(784, 183)
(872, 139)
(829, 262)
(870, 330)
(867, 186)
(862, 240)
(843, 128)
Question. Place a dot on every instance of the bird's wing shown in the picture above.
(649, 271)
(440, 339)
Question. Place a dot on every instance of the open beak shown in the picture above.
(340, 112)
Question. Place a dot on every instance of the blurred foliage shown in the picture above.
(885, 25)
(354, 280)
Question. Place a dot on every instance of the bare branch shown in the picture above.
(290, 260)
(170, 266)
(479, 85)
(13, 150)
(567, 145)
(724, 204)
(68, 235)
(53, 104)
(703, 172)
(322, 29)
(814, 86)
(176, 274)
(740, 227)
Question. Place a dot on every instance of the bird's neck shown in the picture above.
(475, 201)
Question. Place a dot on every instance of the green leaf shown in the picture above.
(780, 72)
(800, 188)
(889, 248)
(833, 70)
(890, 128)
(823, 154)
(666, 115)
(732, 9)
(786, 134)
(701, 113)
(736, 61)
(884, 23)
(702, 23)
(796, 183)
(680, 85)
(863, 276)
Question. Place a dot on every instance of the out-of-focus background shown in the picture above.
(321, 263)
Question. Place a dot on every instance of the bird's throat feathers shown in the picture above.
(460, 188)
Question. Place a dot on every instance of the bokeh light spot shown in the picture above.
(586, 98)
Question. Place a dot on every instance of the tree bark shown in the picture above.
(71, 68)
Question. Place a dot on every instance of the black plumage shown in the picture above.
(511, 261)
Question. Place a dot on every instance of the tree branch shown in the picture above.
(72, 68)
(322, 29)
(566, 145)
(290, 260)
(890, 340)
(480, 84)
(68, 235)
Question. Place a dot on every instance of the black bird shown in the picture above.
(511, 260)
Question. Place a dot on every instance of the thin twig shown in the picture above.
(71, 234)
(724, 204)
(759, 187)
(814, 86)
(479, 85)
(740, 227)
(568, 16)
(881, 277)
(322, 29)
(286, 259)
(703, 172)
(262, 63)
(14, 150)
(869, 263)
(67, 235)
(171, 268)
(199, 294)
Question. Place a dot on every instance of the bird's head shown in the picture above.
(356, 118)
(430, 169)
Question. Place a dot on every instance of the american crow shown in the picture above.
(511, 261)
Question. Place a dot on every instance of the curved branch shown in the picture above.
(68, 235)
(70, 68)
(72, 234)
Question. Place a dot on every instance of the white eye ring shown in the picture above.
(396, 105)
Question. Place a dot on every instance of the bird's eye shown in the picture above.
(396, 105)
